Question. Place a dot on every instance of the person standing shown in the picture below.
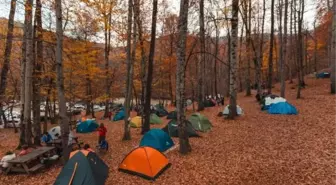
(101, 133)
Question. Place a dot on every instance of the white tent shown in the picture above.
(269, 100)
(56, 131)
(239, 110)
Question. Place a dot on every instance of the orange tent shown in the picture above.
(145, 162)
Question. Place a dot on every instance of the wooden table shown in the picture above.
(20, 164)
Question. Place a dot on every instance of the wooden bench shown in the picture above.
(21, 163)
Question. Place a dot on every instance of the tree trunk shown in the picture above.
(333, 59)
(8, 51)
(270, 57)
(261, 53)
(107, 34)
(248, 35)
(233, 61)
(216, 53)
(201, 60)
(129, 80)
(37, 73)
(315, 48)
(180, 77)
(283, 55)
(28, 74)
(146, 126)
(300, 49)
(64, 122)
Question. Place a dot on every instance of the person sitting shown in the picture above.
(87, 148)
(46, 138)
(4, 161)
(24, 150)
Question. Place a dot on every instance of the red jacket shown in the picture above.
(102, 131)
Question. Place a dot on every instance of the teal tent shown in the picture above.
(172, 115)
(160, 110)
(158, 139)
(282, 108)
(83, 168)
(119, 116)
(87, 126)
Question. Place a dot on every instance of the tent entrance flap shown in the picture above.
(73, 174)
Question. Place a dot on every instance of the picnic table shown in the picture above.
(21, 163)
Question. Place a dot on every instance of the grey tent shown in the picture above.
(172, 129)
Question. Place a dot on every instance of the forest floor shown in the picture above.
(257, 148)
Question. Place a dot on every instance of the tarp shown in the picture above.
(145, 162)
(83, 168)
(227, 111)
(119, 116)
(158, 139)
(154, 119)
(172, 129)
(200, 122)
(282, 108)
(87, 126)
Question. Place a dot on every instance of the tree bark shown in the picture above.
(180, 77)
(129, 80)
(146, 126)
(300, 49)
(37, 73)
(201, 60)
(283, 55)
(261, 53)
(64, 121)
(233, 61)
(270, 56)
(333, 59)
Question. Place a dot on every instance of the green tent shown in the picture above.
(200, 122)
(83, 168)
(154, 119)
(172, 129)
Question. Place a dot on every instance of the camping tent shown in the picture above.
(172, 129)
(209, 103)
(323, 75)
(227, 111)
(282, 108)
(119, 116)
(172, 115)
(158, 139)
(145, 162)
(55, 132)
(200, 122)
(154, 119)
(160, 110)
(136, 122)
(87, 126)
(269, 101)
(83, 168)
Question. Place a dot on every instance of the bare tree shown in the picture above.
(201, 60)
(64, 121)
(283, 50)
(233, 60)
(180, 76)
(129, 79)
(270, 56)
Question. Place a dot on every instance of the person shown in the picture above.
(103, 145)
(101, 133)
(88, 148)
(4, 161)
(24, 150)
(46, 138)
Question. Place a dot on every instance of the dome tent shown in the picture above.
(136, 122)
(119, 116)
(87, 126)
(55, 132)
(282, 108)
(172, 129)
(227, 110)
(200, 122)
(158, 139)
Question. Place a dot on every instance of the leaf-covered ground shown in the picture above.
(257, 148)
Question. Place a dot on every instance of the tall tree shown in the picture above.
(38, 33)
(333, 59)
(8, 51)
(180, 76)
(64, 121)
(28, 73)
(270, 56)
(233, 60)
(129, 79)
(283, 53)
(146, 126)
(201, 60)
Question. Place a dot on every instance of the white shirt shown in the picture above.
(5, 159)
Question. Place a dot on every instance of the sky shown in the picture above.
(173, 5)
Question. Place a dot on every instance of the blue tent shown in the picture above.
(87, 126)
(119, 116)
(323, 75)
(282, 108)
(158, 139)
